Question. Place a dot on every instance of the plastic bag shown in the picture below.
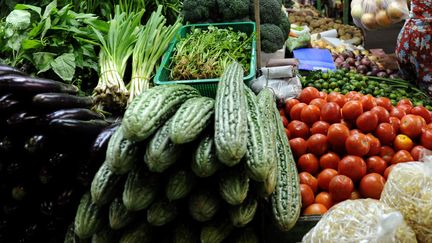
(361, 220)
(283, 88)
(299, 37)
(374, 14)
(409, 190)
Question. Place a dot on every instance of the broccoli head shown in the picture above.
(198, 10)
(272, 38)
(284, 24)
(269, 11)
(233, 9)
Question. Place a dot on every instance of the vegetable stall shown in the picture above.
(146, 121)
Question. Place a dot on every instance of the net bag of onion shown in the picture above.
(361, 220)
(409, 190)
(375, 14)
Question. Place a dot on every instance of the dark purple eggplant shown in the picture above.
(22, 118)
(78, 127)
(4, 69)
(100, 144)
(36, 143)
(19, 193)
(74, 113)
(8, 102)
(61, 101)
(28, 85)
(6, 144)
(58, 160)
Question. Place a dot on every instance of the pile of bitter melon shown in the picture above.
(186, 168)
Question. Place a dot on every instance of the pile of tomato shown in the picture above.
(346, 145)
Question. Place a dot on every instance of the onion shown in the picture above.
(382, 74)
(389, 71)
(365, 61)
(369, 74)
(358, 58)
(368, 20)
(357, 11)
(375, 71)
(350, 60)
(362, 69)
(383, 19)
(346, 65)
(395, 11)
(394, 76)
(357, 63)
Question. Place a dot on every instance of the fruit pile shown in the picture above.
(346, 145)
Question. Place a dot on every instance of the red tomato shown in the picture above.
(337, 135)
(382, 113)
(402, 142)
(354, 131)
(368, 102)
(387, 153)
(310, 180)
(384, 102)
(308, 94)
(357, 144)
(355, 195)
(426, 138)
(289, 104)
(340, 188)
(395, 122)
(423, 112)
(323, 95)
(307, 195)
(295, 112)
(318, 102)
(417, 152)
(317, 144)
(309, 163)
(352, 166)
(376, 164)
(336, 97)
(284, 121)
(325, 177)
(282, 112)
(325, 199)
(371, 186)
(405, 108)
(352, 109)
(320, 127)
(402, 156)
(405, 102)
(348, 124)
(298, 146)
(315, 209)
(353, 95)
(298, 129)
(375, 145)
(399, 113)
(287, 132)
(329, 160)
(331, 113)
(385, 133)
(388, 170)
(310, 114)
(367, 122)
(411, 125)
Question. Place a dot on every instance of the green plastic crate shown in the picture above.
(207, 87)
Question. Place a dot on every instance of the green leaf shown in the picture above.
(64, 66)
(36, 29)
(15, 41)
(47, 26)
(42, 60)
(49, 9)
(31, 44)
(38, 10)
(19, 19)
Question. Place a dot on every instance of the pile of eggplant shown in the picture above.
(51, 145)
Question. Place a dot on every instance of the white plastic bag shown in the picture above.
(374, 14)
(361, 221)
(409, 190)
(283, 88)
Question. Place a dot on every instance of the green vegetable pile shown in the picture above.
(205, 53)
(345, 81)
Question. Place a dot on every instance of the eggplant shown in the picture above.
(19, 193)
(58, 160)
(22, 118)
(6, 145)
(74, 113)
(5, 69)
(61, 101)
(8, 102)
(36, 143)
(100, 144)
(77, 127)
(28, 85)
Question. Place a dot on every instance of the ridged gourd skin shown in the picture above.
(161, 213)
(106, 235)
(119, 216)
(234, 185)
(139, 233)
(244, 213)
(184, 232)
(71, 237)
(247, 235)
(203, 205)
(105, 185)
(267, 187)
(88, 219)
(179, 185)
(286, 198)
(204, 161)
(260, 152)
(140, 189)
(121, 154)
(152, 108)
(193, 116)
(161, 153)
(216, 231)
(231, 116)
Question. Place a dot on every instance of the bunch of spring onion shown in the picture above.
(152, 42)
(117, 46)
